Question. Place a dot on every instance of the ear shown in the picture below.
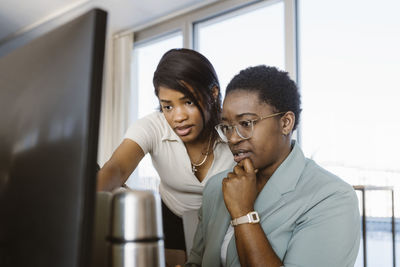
(287, 122)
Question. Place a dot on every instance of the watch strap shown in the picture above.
(251, 217)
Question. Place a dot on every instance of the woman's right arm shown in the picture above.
(122, 163)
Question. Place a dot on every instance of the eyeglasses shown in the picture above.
(244, 128)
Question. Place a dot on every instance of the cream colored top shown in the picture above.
(179, 188)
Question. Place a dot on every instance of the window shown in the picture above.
(349, 69)
(145, 57)
(241, 39)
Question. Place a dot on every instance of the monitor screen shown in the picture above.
(50, 95)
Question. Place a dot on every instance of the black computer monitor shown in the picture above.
(50, 95)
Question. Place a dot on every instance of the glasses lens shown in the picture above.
(245, 129)
(220, 130)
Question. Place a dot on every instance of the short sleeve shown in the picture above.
(146, 132)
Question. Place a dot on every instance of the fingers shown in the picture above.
(244, 167)
(231, 175)
(238, 170)
(247, 165)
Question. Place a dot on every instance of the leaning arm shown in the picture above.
(122, 163)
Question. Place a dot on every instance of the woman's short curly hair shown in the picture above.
(273, 86)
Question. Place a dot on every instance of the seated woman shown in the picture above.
(276, 207)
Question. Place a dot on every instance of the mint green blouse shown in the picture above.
(310, 217)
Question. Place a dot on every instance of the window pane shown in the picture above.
(248, 38)
(145, 58)
(349, 66)
(349, 71)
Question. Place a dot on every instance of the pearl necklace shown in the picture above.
(194, 165)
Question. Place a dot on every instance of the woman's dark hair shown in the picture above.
(178, 67)
(273, 86)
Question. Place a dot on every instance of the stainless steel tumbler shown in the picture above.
(136, 234)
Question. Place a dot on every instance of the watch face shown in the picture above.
(254, 216)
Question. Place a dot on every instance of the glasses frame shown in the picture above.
(253, 122)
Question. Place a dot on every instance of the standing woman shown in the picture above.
(180, 138)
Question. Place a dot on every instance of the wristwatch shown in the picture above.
(251, 217)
